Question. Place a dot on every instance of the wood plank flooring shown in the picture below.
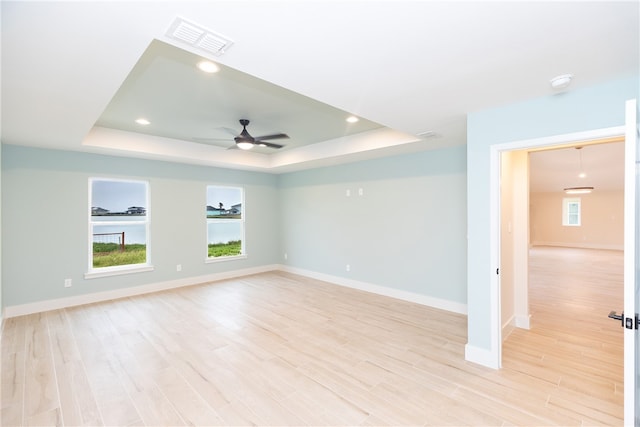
(572, 343)
(279, 349)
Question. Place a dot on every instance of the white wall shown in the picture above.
(514, 242)
(602, 220)
(506, 241)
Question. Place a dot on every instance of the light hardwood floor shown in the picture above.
(279, 349)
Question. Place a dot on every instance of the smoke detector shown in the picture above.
(561, 82)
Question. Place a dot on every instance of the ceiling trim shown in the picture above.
(361, 146)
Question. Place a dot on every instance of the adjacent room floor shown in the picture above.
(279, 349)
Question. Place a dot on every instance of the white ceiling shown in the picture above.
(187, 104)
(555, 170)
(70, 79)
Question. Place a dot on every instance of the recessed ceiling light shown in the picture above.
(143, 121)
(352, 119)
(208, 67)
(561, 82)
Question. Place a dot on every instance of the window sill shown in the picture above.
(224, 258)
(117, 271)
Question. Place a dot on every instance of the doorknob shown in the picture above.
(628, 322)
(615, 316)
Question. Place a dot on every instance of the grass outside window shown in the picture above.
(231, 248)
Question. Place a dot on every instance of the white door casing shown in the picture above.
(631, 265)
(493, 358)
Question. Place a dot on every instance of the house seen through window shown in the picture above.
(225, 222)
(118, 223)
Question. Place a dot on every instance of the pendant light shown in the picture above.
(581, 174)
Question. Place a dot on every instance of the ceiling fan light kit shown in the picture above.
(578, 190)
(244, 145)
(245, 141)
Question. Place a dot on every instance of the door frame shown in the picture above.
(631, 405)
(496, 151)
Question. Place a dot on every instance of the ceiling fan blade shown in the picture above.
(210, 140)
(245, 137)
(274, 136)
(267, 144)
(232, 132)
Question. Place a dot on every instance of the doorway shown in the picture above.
(567, 277)
(494, 357)
(535, 211)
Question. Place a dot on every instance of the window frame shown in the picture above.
(241, 221)
(95, 272)
(567, 202)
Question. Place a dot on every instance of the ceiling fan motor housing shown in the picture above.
(245, 137)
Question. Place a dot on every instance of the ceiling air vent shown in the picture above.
(428, 134)
(198, 36)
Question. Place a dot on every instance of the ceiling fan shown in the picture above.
(245, 141)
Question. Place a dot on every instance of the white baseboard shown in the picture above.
(381, 290)
(579, 245)
(523, 322)
(516, 321)
(507, 327)
(508, 322)
(481, 356)
(56, 304)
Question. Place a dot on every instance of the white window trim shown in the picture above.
(209, 260)
(92, 272)
(118, 270)
(242, 220)
(566, 201)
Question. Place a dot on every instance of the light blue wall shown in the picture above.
(574, 111)
(46, 248)
(407, 231)
(1, 288)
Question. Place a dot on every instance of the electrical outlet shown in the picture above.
(179, 267)
(360, 191)
(348, 267)
(286, 256)
(67, 283)
(348, 193)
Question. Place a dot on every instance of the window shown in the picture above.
(118, 226)
(571, 211)
(225, 222)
